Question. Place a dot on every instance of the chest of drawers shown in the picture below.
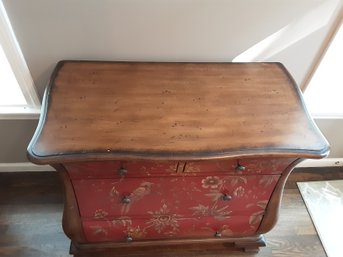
(155, 154)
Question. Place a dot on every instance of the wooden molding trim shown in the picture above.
(325, 46)
(272, 211)
(71, 221)
(24, 167)
(17, 61)
(327, 162)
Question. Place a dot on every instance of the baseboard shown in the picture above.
(327, 162)
(24, 167)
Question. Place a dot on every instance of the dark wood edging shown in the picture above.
(110, 154)
(271, 215)
(71, 221)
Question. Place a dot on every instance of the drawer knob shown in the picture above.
(122, 172)
(129, 239)
(126, 200)
(240, 168)
(217, 234)
(226, 197)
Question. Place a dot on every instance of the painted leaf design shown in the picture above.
(262, 204)
(200, 210)
(220, 213)
(268, 180)
(256, 218)
(215, 211)
(215, 195)
(137, 194)
(238, 180)
(114, 192)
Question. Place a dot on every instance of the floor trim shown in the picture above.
(24, 167)
(327, 162)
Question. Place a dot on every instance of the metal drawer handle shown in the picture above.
(240, 168)
(129, 239)
(217, 234)
(226, 197)
(126, 200)
(122, 172)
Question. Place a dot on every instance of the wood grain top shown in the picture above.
(123, 110)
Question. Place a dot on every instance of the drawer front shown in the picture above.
(131, 169)
(240, 166)
(163, 225)
(218, 196)
(118, 169)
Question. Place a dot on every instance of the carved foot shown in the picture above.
(251, 244)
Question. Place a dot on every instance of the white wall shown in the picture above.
(332, 129)
(167, 30)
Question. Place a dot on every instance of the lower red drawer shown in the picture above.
(190, 196)
(168, 226)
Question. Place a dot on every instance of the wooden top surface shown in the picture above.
(122, 110)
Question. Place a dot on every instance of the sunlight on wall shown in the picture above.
(290, 34)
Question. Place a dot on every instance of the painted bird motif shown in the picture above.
(136, 195)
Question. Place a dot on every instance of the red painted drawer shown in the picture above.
(112, 169)
(163, 225)
(240, 166)
(190, 196)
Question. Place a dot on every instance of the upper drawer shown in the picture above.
(240, 166)
(116, 169)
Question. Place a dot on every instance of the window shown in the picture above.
(18, 97)
(324, 92)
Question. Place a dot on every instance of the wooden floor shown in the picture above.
(31, 210)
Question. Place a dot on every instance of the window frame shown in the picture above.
(21, 71)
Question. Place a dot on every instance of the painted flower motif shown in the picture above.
(211, 182)
(100, 214)
(239, 191)
(135, 232)
(98, 230)
(122, 221)
(226, 231)
(162, 220)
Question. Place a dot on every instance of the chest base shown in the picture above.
(189, 247)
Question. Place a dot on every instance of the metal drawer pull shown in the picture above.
(217, 234)
(240, 168)
(129, 239)
(126, 200)
(226, 197)
(122, 172)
